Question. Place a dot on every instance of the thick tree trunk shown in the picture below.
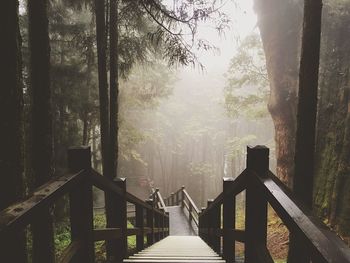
(307, 102)
(11, 126)
(279, 25)
(303, 179)
(42, 144)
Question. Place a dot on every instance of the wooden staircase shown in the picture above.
(179, 249)
(215, 224)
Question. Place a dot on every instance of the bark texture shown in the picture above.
(331, 195)
(307, 103)
(304, 175)
(279, 23)
(42, 139)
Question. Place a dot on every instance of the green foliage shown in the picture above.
(201, 169)
(62, 237)
(247, 91)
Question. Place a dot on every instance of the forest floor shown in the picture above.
(277, 236)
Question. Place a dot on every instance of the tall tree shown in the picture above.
(42, 143)
(102, 79)
(307, 102)
(279, 24)
(11, 125)
(114, 86)
(303, 178)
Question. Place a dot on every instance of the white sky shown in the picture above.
(216, 65)
(243, 23)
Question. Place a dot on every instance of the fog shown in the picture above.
(194, 142)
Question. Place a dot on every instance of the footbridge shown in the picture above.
(174, 229)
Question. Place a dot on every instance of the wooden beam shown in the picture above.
(22, 213)
(69, 253)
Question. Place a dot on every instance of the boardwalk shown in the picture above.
(179, 249)
(179, 225)
(182, 246)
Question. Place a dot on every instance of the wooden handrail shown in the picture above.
(182, 197)
(158, 199)
(263, 187)
(78, 184)
(20, 214)
(106, 184)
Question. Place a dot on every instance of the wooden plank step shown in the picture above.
(177, 249)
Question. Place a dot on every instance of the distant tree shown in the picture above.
(247, 90)
(11, 125)
(42, 140)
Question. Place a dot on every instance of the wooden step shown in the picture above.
(177, 249)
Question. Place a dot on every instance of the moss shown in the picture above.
(344, 215)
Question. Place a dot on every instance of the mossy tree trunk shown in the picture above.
(331, 195)
(303, 179)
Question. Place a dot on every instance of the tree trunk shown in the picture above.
(111, 212)
(279, 25)
(42, 144)
(307, 102)
(11, 125)
(303, 179)
(114, 87)
(102, 80)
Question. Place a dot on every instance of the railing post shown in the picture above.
(157, 226)
(140, 225)
(155, 198)
(167, 223)
(256, 202)
(183, 196)
(216, 224)
(150, 223)
(172, 199)
(210, 223)
(121, 222)
(190, 208)
(229, 221)
(204, 226)
(163, 225)
(81, 207)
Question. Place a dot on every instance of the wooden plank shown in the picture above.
(140, 225)
(229, 219)
(193, 204)
(256, 204)
(178, 249)
(104, 183)
(22, 213)
(69, 253)
(107, 234)
(150, 224)
(121, 245)
(81, 205)
(297, 219)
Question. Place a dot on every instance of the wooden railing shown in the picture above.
(151, 222)
(217, 222)
(181, 197)
(158, 200)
